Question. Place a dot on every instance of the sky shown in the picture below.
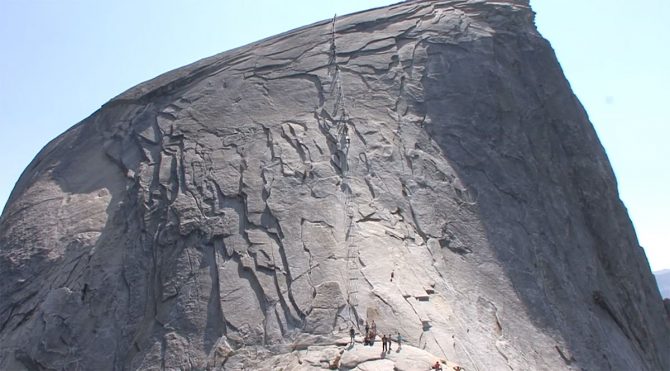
(60, 60)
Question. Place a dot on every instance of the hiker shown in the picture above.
(399, 340)
(437, 366)
(366, 340)
(367, 328)
(384, 346)
(352, 334)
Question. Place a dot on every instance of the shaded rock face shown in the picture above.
(423, 165)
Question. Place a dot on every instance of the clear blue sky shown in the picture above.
(60, 60)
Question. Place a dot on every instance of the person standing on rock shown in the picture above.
(352, 334)
(367, 328)
(384, 346)
(399, 341)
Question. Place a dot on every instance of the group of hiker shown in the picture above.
(370, 336)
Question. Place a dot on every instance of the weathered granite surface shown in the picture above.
(246, 210)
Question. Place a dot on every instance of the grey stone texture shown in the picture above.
(245, 211)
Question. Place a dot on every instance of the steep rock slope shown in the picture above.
(256, 204)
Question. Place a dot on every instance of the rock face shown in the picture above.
(245, 211)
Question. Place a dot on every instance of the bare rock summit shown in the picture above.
(423, 165)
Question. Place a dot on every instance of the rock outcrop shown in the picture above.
(423, 165)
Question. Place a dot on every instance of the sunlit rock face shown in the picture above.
(423, 165)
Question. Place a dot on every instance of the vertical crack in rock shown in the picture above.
(215, 327)
(284, 272)
(310, 262)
